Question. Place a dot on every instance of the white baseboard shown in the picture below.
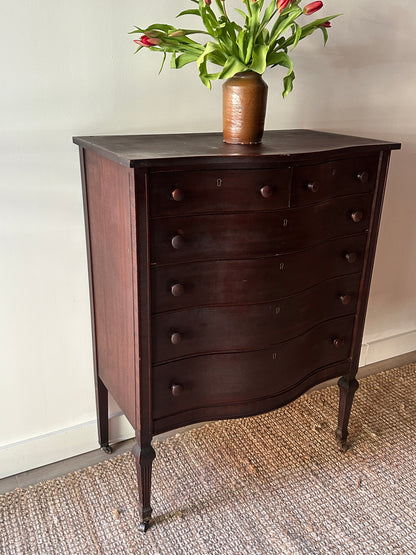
(387, 347)
(59, 445)
(69, 442)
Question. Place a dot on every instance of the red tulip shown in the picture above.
(312, 7)
(281, 4)
(147, 41)
(326, 24)
(207, 2)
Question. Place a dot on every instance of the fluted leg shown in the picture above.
(347, 388)
(144, 459)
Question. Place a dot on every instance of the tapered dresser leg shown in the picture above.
(102, 416)
(347, 388)
(144, 459)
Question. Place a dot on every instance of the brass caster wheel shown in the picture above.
(143, 526)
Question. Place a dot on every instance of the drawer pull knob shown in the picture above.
(351, 257)
(177, 242)
(176, 389)
(363, 177)
(266, 191)
(177, 289)
(356, 216)
(337, 342)
(177, 195)
(175, 338)
(345, 299)
(313, 187)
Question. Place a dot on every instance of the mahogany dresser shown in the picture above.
(226, 280)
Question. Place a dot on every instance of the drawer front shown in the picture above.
(313, 184)
(256, 234)
(228, 282)
(191, 332)
(199, 192)
(232, 378)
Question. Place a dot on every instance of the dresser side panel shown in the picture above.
(108, 202)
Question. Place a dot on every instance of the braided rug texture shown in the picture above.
(271, 484)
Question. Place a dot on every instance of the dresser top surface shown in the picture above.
(157, 150)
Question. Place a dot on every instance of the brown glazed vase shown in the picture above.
(244, 108)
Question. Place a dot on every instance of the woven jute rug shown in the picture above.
(271, 484)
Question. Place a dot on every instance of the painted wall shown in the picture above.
(67, 69)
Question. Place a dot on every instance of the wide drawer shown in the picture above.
(315, 183)
(233, 378)
(198, 192)
(255, 234)
(227, 282)
(191, 332)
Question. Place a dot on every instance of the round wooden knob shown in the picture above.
(177, 242)
(312, 187)
(175, 338)
(177, 289)
(356, 216)
(337, 342)
(345, 299)
(362, 177)
(266, 191)
(351, 257)
(176, 389)
(177, 195)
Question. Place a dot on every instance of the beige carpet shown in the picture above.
(272, 484)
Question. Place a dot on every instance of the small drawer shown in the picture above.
(313, 184)
(254, 234)
(197, 331)
(228, 282)
(202, 192)
(219, 379)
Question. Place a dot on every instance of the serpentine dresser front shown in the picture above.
(226, 280)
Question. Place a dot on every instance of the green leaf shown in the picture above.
(268, 14)
(325, 33)
(163, 62)
(212, 53)
(297, 34)
(288, 84)
(188, 12)
(285, 23)
(243, 14)
(232, 66)
(185, 58)
(259, 58)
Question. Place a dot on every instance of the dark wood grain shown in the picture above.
(226, 236)
(255, 406)
(107, 190)
(218, 191)
(235, 377)
(196, 149)
(249, 327)
(314, 183)
(228, 282)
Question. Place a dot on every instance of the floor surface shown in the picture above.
(54, 470)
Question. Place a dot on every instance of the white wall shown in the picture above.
(67, 69)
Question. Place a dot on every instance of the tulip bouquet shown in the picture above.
(264, 38)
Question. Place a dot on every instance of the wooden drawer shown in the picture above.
(191, 332)
(255, 234)
(232, 378)
(229, 282)
(313, 184)
(199, 192)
